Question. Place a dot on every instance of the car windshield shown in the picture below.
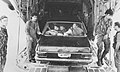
(69, 29)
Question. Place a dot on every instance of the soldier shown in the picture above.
(3, 40)
(116, 46)
(102, 31)
(32, 29)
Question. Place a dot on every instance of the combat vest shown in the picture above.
(115, 40)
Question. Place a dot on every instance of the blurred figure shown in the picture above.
(116, 46)
(53, 31)
(3, 40)
(102, 31)
(86, 17)
(32, 29)
(75, 30)
(61, 31)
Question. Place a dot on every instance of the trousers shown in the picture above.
(31, 48)
(117, 60)
(3, 53)
(100, 43)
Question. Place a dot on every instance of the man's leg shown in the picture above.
(118, 69)
(106, 48)
(29, 47)
(117, 60)
(100, 48)
(99, 54)
(34, 43)
(1, 68)
(4, 55)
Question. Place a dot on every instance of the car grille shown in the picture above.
(73, 56)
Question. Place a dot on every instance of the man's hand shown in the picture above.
(65, 34)
(106, 36)
(31, 38)
(39, 33)
(114, 53)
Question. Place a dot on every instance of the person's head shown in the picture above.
(3, 21)
(34, 16)
(117, 26)
(109, 13)
(56, 27)
(75, 25)
(62, 27)
(85, 14)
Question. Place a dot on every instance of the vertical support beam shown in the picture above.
(19, 5)
(113, 4)
(95, 15)
(27, 9)
(92, 3)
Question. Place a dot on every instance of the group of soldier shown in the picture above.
(102, 32)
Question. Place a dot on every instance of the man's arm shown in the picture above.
(38, 29)
(68, 32)
(96, 28)
(107, 33)
(27, 30)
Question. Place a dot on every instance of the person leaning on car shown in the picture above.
(75, 30)
(32, 29)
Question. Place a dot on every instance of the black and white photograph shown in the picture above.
(59, 35)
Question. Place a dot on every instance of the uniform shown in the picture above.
(31, 30)
(101, 30)
(3, 46)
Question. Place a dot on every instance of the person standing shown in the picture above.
(116, 46)
(32, 29)
(3, 40)
(102, 31)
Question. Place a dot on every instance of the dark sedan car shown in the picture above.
(67, 27)
(59, 42)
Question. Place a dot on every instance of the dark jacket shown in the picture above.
(32, 28)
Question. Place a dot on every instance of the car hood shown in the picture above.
(62, 41)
